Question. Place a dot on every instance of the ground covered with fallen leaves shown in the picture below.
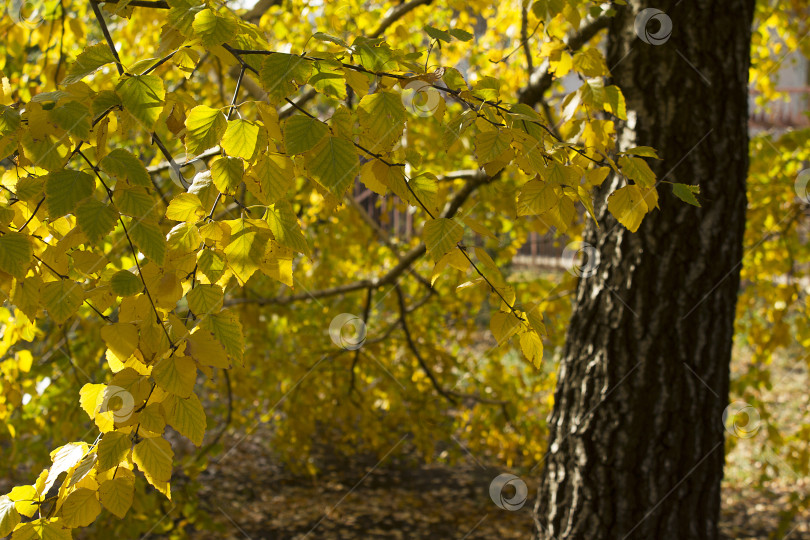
(248, 495)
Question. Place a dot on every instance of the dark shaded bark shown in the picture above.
(636, 442)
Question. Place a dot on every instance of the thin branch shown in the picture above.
(155, 4)
(24, 225)
(366, 312)
(107, 36)
(396, 13)
(412, 345)
(227, 423)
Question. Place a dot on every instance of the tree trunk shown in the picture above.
(636, 436)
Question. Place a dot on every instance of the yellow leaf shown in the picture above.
(185, 207)
(206, 350)
(176, 374)
(628, 206)
(117, 494)
(504, 326)
(537, 197)
(121, 339)
(186, 416)
(81, 508)
(62, 298)
(205, 299)
(112, 449)
(441, 235)
(532, 347)
(153, 456)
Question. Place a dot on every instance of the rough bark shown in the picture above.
(636, 435)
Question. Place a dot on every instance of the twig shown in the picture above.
(107, 36)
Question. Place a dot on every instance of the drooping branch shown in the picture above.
(403, 322)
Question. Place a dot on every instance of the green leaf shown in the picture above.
(548, 9)
(116, 495)
(441, 235)
(240, 139)
(271, 178)
(425, 188)
(228, 331)
(48, 152)
(149, 239)
(643, 151)
(176, 374)
(186, 416)
(73, 117)
(211, 264)
(284, 224)
(62, 298)
(92, 58)
(628, 206)
(135, 202)
(64, 189)
(686, 193)
(333, 164)
(112, 449)
(382, 118)
(123, 165)
(16, 254)
(204, 128)
(125, 283)
(9, 120)
(153, 456)
(637, 170)
(321, 36)
(142, 96)
(461, 35)
(282, 74)
(435, 33)
(213, 28)
(537, 197)
(615, 104)
(227, 173)
(246, 249)
(302, 133)
(491, 144)
(205, 299)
